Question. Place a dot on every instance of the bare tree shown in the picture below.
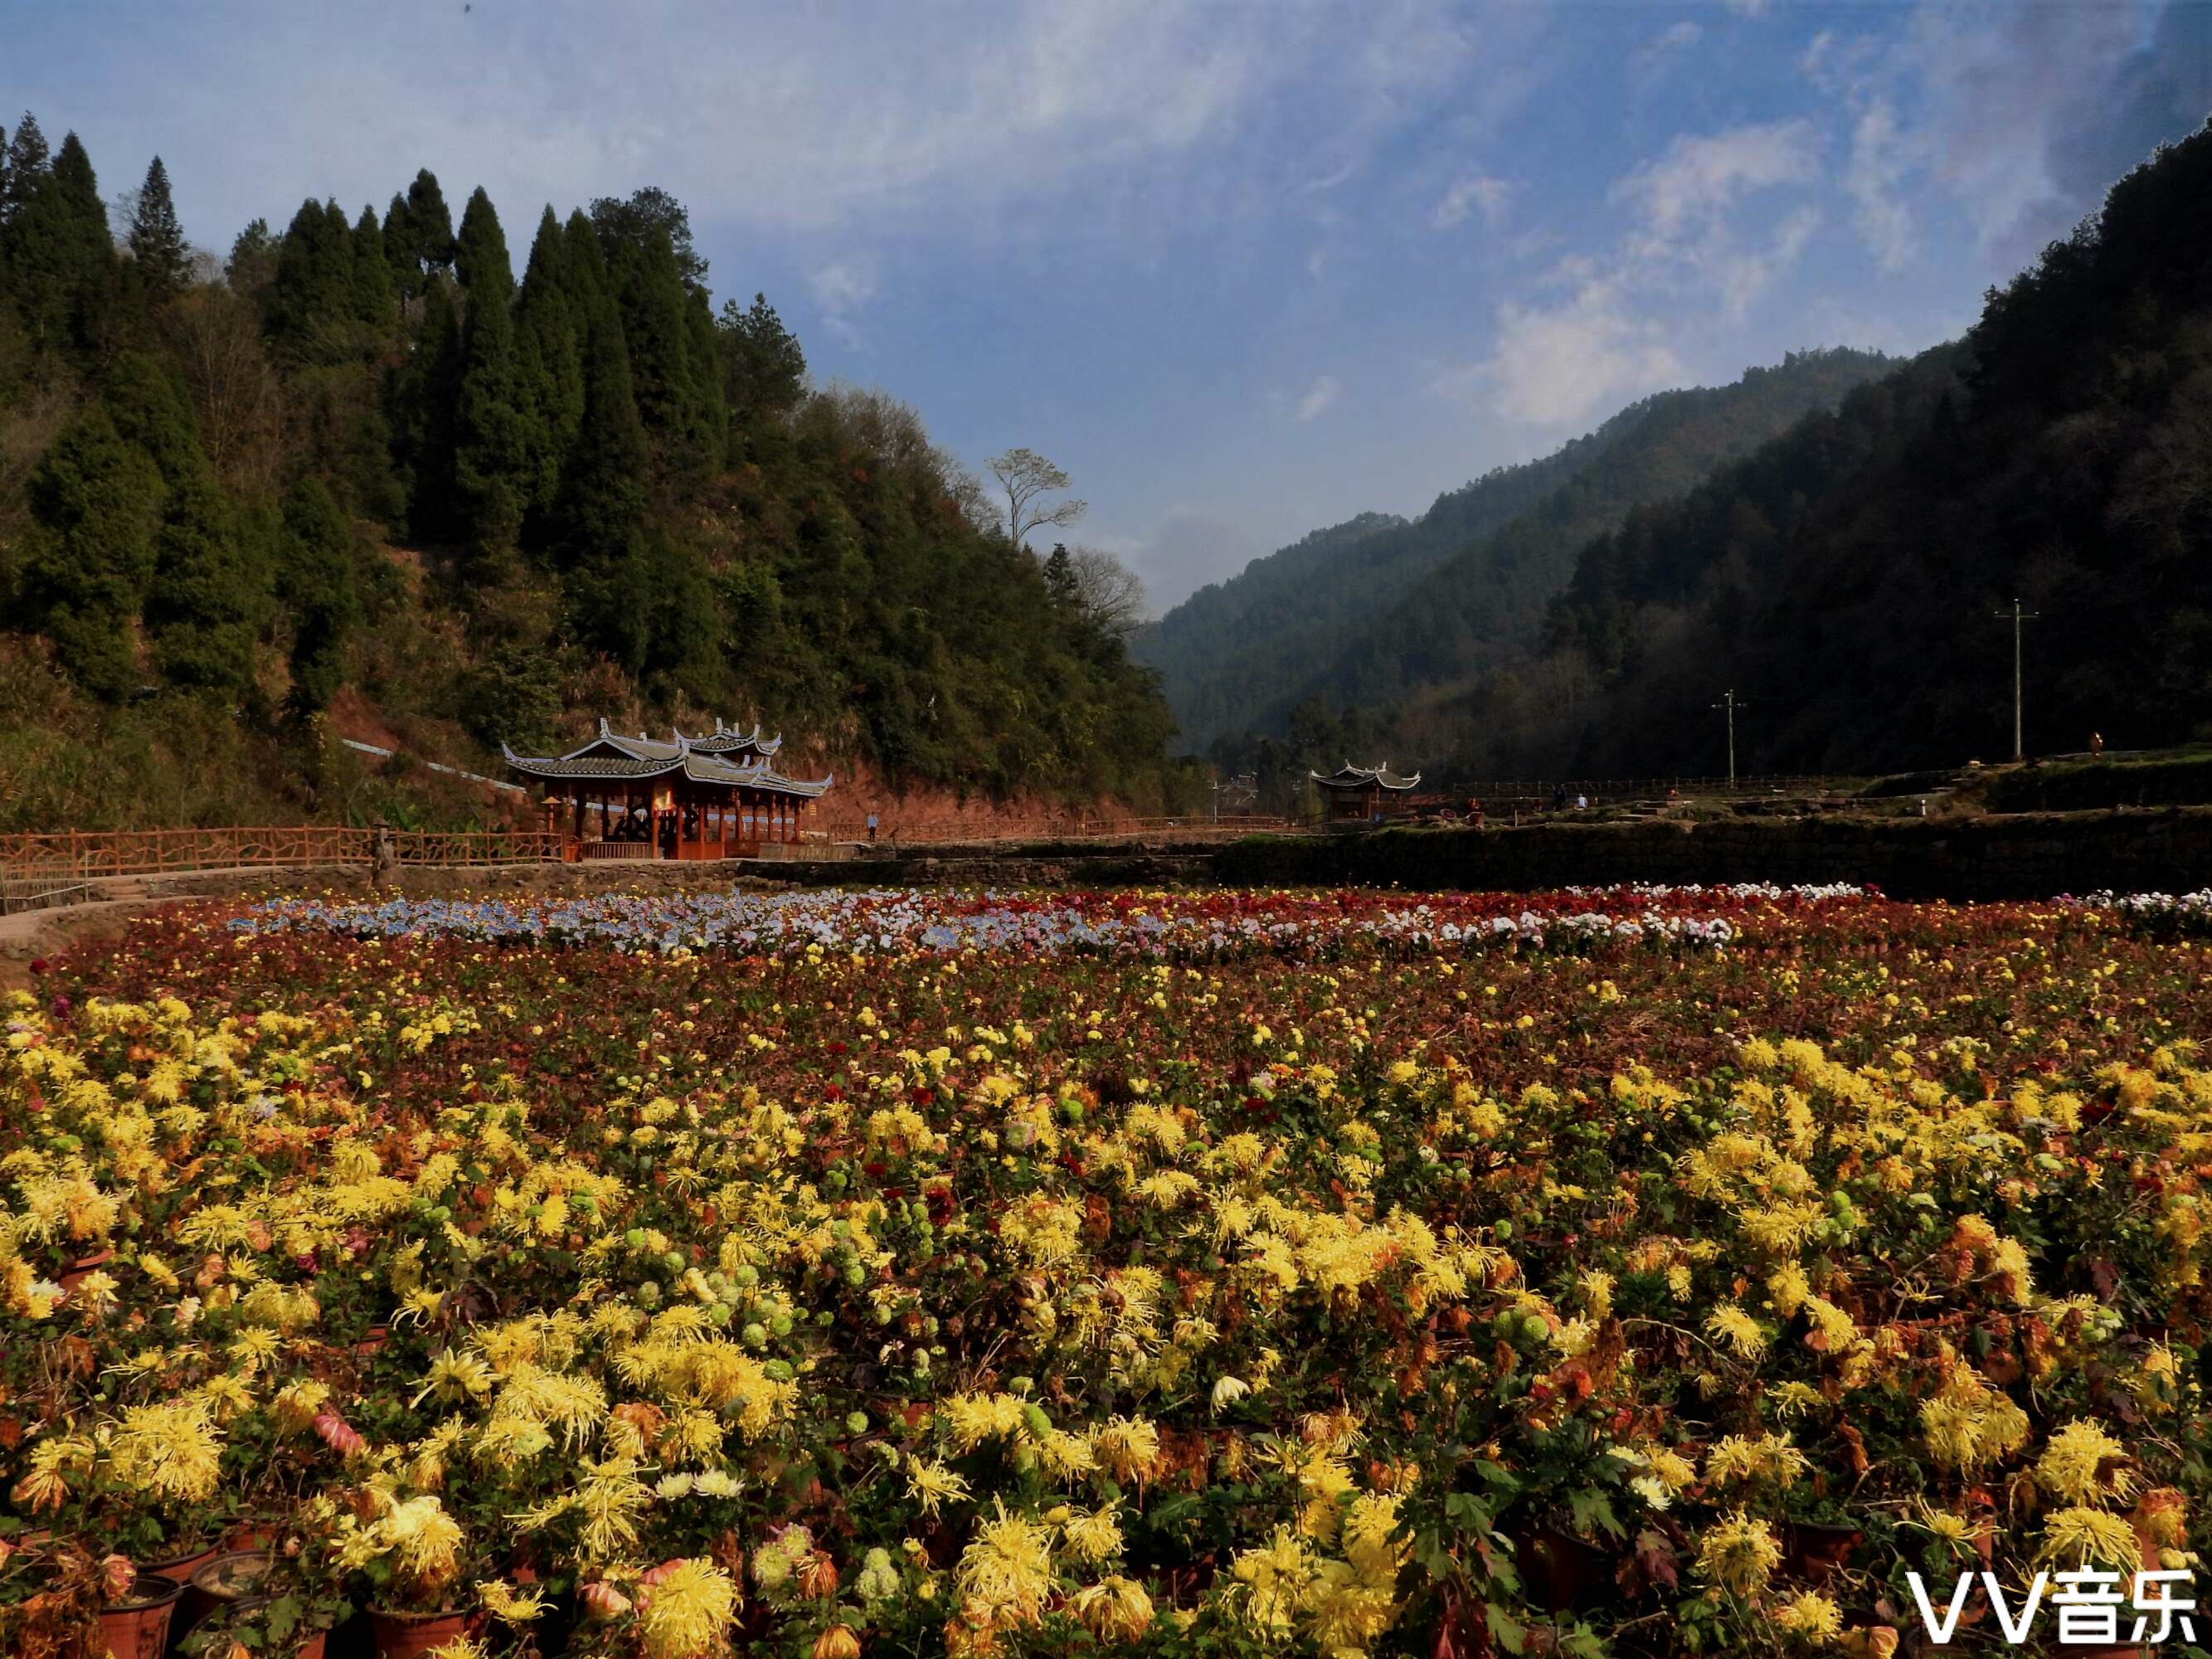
(1111, 594)
(1026, 476)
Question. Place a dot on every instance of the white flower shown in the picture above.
(1229, 1390)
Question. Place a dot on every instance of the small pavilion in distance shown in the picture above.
(1353, 795)
(717, 796)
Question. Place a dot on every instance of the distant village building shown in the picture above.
(714, 797)
(1354, 795)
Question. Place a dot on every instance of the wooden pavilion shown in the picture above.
(717, 796)
(1355, 795)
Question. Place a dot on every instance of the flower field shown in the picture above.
(1630, 1272)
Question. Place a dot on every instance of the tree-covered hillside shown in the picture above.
(1393, 617)
(1846, 580)
(358, 457)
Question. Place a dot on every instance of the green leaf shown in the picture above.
(1505, 1630)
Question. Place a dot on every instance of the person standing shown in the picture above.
(872, 829)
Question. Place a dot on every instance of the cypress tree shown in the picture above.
(150, 410)
(549, 343)
(314, 299)
(206, 603)
(375, 296)
(402, 250)
(657, 330)
(28, 162)
(252, 263)
(94, 498)
(430, 227)
(23, 168)
(423, 417)
(709, 411)
(161, 264)
(600, 515)
(315, 581)
(480, 256)
(493, 446)
(61, 255)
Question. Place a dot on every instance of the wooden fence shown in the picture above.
(87, 853)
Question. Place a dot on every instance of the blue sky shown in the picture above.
(1242, 269)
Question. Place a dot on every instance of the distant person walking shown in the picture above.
(1558, 797)
(1474, 811)
(872, 829)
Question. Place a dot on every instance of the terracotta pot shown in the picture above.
(257, 1533)
(139, 1628)
(179, 1569)
(77, 1271)
(1817, 1551)
(411, 1635)
(373, 1344)
(1560, 1568)
(312, 1647)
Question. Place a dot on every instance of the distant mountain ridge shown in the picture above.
(1382, 611)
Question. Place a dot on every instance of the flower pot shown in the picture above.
(77, 1271)
(1817, 1551)
(312, 1647)
(373, 1343)
(138, 1627)
(234, 1577)
(256, 1532)
(1560, 1568)
(411, 1635)
(179, 1569)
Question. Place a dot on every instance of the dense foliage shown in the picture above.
(1380, 614)
(613, 500)
(1635, 1273)
(1846, 580)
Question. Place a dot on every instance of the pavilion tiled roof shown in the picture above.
(1349, 776)
(702, 760)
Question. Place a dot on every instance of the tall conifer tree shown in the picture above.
(480, 256)
(95, 498)
(430, 227)
(161, 264)
(315, 580)
(375, 293)
(207, 600)
(493, 444)
(548, 320)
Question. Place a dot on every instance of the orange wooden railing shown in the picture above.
(153, 852)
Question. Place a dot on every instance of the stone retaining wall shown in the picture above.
(2028, 855)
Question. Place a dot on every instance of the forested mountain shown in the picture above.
(361, 457)
(1846, 580)
(1389, 616)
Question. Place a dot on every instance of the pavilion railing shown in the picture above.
(88, 853)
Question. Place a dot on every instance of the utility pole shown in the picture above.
(2018, 615)
(1729, 703)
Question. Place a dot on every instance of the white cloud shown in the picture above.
(1650, 62)
(1880, 158)
(1471, 192)
(1319, 395)
(1701, 177)
(841, 288)
(1558, 365)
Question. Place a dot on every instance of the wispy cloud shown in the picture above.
(1319, 395)
(1558, 364)
(841, 290)
(1471, 192)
